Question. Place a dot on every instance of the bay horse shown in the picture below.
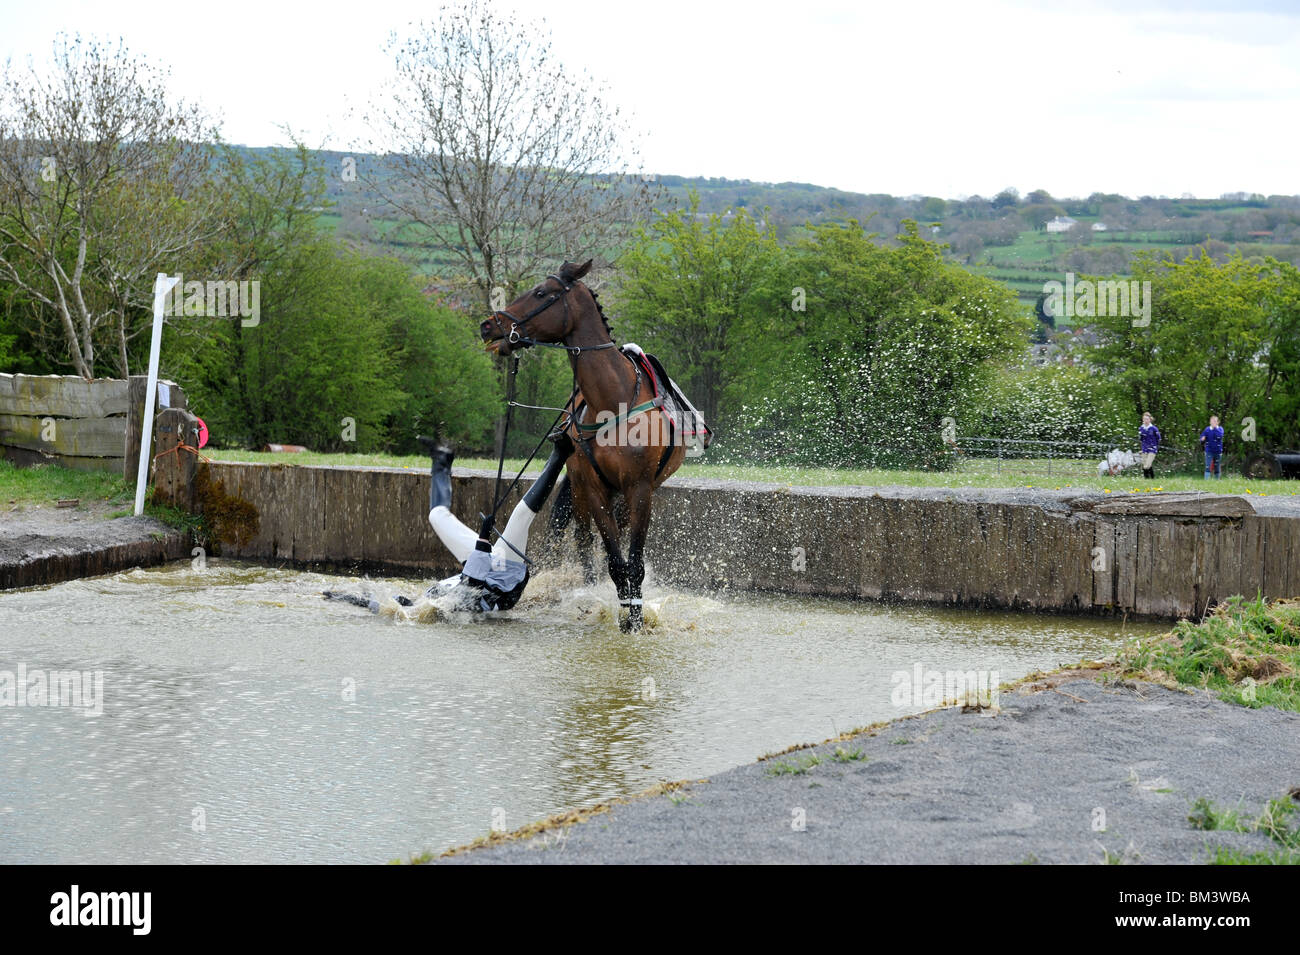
(611, 387)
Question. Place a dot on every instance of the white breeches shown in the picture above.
(460, 540)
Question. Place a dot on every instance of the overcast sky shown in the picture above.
(947, 99)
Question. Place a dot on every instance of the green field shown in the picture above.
(977, 473)
(1035, 257)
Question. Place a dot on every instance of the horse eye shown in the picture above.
(540, 293)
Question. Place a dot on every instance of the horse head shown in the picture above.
(548, 312)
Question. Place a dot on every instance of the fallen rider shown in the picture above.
(492, 577)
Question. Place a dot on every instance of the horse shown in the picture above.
(629, 458)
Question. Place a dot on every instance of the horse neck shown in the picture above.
(605, 377)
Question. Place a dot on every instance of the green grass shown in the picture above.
(982, 472)
(1205, 815)
(1247, 651)
(842, 755)
(796, 768)
(1278, 821)
(1225, 856)
(45, 484)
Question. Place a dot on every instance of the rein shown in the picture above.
(499, 498)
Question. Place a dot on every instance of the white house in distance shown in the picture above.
(1099, 227)
(1060, 224)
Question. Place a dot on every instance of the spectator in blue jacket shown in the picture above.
(1149, 435)
(1212, 442)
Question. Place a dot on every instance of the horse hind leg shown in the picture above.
(586, 541)
(619, 570)
(583, 538)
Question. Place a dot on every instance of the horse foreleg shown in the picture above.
(638, 507)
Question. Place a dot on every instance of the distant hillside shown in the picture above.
(1006, 236)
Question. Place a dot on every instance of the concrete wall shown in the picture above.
(1158, 555)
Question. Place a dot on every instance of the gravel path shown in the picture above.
(46, 545)
(1028, 784)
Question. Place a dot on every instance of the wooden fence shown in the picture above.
(89, 425)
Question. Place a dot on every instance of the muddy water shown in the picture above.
(244, 719)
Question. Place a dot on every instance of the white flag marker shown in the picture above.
(161, 286)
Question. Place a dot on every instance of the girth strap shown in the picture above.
(595, 428)
(585, 444)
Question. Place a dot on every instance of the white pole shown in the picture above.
(161, 286)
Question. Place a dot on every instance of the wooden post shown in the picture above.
(174, 466)
(134, 424)
(175, 396)
(135, 418)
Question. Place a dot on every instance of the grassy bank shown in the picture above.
(1279, 820)
(1247, 651)
(46, 484)
(982, 473)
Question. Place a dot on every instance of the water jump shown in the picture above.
(492, 576)
(625, 429)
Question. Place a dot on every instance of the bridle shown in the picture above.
(516, 324)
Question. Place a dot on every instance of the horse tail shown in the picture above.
(562, 506)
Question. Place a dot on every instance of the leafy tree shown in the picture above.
(509, 162)
(19, 354)
(893, 340)
(934, 208)
(448, 380)
(1219, 342)
(688, 286)
(1007, 198)
(1279, 425)
(1051, 403)
(102, 181)
(340, 336)
(319, 354)
(1037, 215)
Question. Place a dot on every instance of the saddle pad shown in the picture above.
(685, 416)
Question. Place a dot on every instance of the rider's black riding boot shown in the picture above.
(439, 471)
(536, 495)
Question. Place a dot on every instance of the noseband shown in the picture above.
(513, 336)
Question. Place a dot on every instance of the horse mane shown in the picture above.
(569, 274)
(600, 311)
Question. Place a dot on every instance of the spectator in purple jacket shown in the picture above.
(1212, 442)
(1149, 435)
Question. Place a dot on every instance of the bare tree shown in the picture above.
(501, 156)
(102, 185)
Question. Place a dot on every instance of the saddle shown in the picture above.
(689, 425)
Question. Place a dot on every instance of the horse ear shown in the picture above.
(582, 270)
